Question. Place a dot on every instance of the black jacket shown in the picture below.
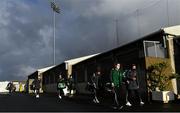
(133, 84)
(97, 81)
(36, 84)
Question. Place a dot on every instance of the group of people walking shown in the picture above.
(123, 84)
(61, 85)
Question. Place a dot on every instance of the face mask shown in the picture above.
(118, 66)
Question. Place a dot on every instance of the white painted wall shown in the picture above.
(3, 86)
(16, 84)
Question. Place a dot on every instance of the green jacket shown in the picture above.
(116, 77)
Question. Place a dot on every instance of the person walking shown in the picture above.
(116, 80)
(125, 86)
(37, 86)
(133, 86)
(10, 87)
(71, 85)
(60, 86)
(97, 85)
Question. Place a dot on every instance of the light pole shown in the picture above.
(56, 9)
(117, 31)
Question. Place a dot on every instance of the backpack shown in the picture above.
(61, 85)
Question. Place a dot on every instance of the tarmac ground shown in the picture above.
(22, 102)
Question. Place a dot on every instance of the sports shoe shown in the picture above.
(97, 101)
(128, 104)
(94, 100)
(114, 107)
(60, 97)
(37, 96)
(141, 103)
(120, 107)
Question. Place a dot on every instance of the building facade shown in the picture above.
(162, 45)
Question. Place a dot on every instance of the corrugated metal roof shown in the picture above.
(44, 69)
(174, 30)
(41, 70)
(77, 60)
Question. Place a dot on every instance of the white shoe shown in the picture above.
(97, 101)
(37, 96)
(115, 107)
(60, 97)
(120, 107)
(128, 104)
(94, 100)
(141, 103)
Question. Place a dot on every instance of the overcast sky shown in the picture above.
(84, 27)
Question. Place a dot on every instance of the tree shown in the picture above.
(157, 77)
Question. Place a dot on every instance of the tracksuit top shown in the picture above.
(117, 77)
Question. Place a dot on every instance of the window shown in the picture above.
(154, 49)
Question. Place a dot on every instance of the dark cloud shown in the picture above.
(83, 27)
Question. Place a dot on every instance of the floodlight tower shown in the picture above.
(56, 9)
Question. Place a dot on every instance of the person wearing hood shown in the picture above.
(133, 85)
